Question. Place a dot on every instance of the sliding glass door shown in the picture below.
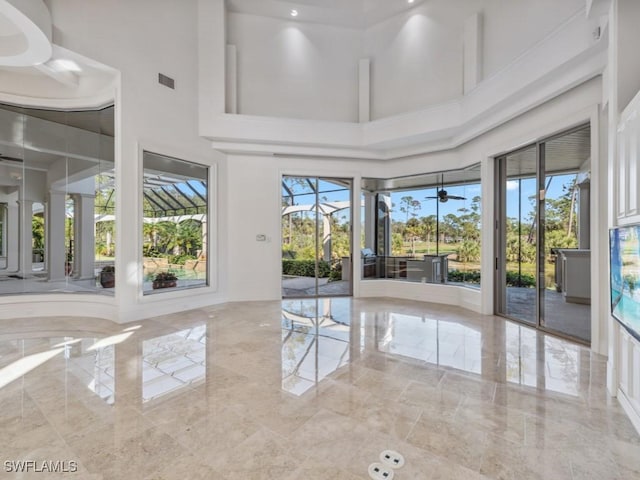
(542, 235)
(316, 236)
(519, 237)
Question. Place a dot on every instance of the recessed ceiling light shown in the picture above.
(294, 13)
(410, 1)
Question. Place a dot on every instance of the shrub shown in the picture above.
(466, 277)
(336, 272)
(522, 280)
(305, 268)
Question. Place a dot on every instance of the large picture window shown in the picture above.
(174, 230)
(423, 228)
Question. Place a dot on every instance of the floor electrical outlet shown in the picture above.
(378, 471)
(392, 459)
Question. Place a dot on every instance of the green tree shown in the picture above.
(189, 237)
(409, 206)
(429, 224)
(37, 231)
(469, 251)
(413, 232)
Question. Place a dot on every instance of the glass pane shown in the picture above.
(427, 228)
(175, 216)
(567, 288)
(316, 236)
(105, 206)
(466, 264)
(521, 224)
(299, 237)
(334, 221)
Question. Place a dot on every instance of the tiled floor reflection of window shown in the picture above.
(315, 343)
(95, 368)
(439, 342)
(562, 369)
(173, 361)
(521, 353)
(560, 360)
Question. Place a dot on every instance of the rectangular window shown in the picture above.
(175, 224)
(424, 228)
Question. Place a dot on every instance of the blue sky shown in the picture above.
(428, 207)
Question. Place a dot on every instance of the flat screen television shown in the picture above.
(624, 248)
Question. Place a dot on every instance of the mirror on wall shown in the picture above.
(175, 197)
(423, 228)
(56, 180)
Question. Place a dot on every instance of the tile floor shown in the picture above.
(306, 389)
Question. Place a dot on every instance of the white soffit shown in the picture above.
(25, 33)
(344, 13)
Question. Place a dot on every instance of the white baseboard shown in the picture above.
(631, 412)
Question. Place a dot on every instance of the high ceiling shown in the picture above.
(346, 13)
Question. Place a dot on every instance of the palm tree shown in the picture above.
(168, 237)
(189, 237)
(429, 228)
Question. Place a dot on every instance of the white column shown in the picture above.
(85, 244)
(584, 215)
(56, 251)
(13, 238)
(364, 90)
(472, 62)
(211, 61)
(384, 203)
(232, 80)
(203, 226)
(25, 208)
(369, 220)
(326, 238)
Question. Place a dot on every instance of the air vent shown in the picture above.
(166, 81)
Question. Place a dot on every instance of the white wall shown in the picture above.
(416, 57)
(294, 69)
(513, 26)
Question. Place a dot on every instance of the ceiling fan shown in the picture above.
(443, 196)
(10, 159)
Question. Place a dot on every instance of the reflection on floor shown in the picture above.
(568, 318)
(306, 287)
(14, 284)
(309, 389)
